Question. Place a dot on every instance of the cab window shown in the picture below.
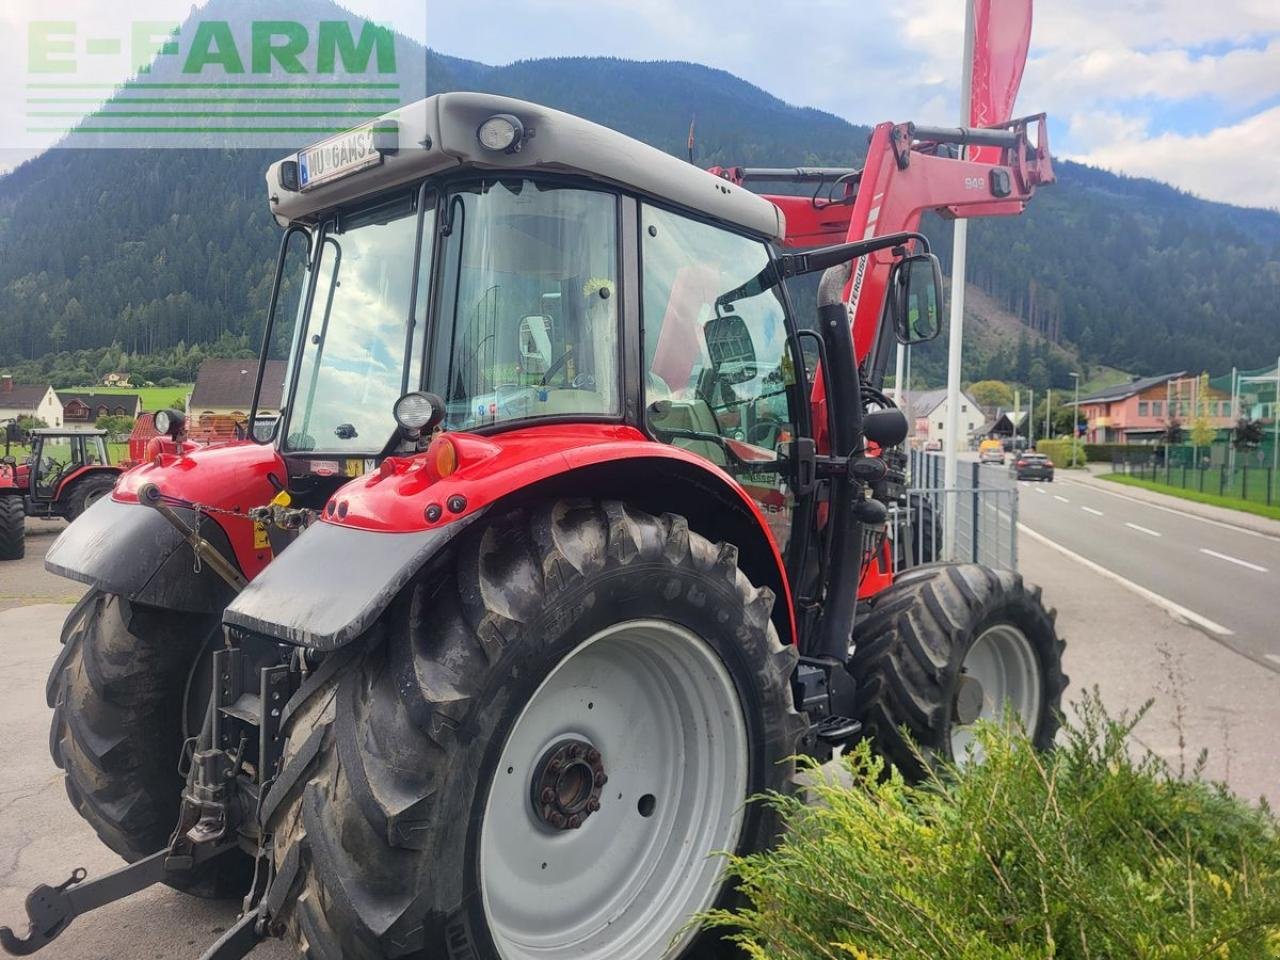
(719, 376)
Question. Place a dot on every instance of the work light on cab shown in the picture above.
(418, 411)
(169, 422)
(501, 132)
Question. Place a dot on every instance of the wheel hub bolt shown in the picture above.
(566, 784)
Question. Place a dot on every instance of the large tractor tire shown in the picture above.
(539, 751)
(85, 493)
(117, 691)
(13, 528)
(945, 646)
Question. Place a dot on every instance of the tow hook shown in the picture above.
(202, 834)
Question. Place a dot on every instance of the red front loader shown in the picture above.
(558, 552)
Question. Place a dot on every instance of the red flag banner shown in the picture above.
(1001, 37)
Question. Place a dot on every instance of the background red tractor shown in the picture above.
(61, 474)
(570, 535)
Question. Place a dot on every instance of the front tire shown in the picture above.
(418, 811)
(117, 692)
(929, 638)
(13, 528)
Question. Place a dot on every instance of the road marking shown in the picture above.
(1176, 610)
(1039, 489)
(1179, 513)
(1145, 530)
(1096, 513)
(1223, 556)
(1273, 658)
(1063, 499)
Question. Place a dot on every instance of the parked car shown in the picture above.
(932, 445)
(1032, 466)
(991, 451)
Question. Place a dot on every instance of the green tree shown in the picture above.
(992, 393)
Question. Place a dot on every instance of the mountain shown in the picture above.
(152, 249)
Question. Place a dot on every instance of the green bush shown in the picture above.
(1059, 451)
(1094, 851)
(1109, 452)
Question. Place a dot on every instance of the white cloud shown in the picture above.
(1235, 164)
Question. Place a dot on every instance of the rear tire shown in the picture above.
(85, 493)
(929, 631)
(116, 691)
(409, 754)
(13, 528)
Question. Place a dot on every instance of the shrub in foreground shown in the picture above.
(1095, 851)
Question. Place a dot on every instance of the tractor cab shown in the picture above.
(58, 455)
(529, 269)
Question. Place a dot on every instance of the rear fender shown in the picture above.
(122, 546)
(342, 573)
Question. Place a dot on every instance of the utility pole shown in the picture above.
(1075, 419)
(1031, 421)
(1048, 406)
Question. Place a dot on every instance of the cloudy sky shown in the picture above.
(1187, 91)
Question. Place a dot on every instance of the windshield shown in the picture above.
(528, 324)
(352, 365)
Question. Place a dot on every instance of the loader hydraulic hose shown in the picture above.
(844, 397)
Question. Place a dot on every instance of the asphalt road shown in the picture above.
(1222, 579)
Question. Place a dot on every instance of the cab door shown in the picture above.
(719, 366)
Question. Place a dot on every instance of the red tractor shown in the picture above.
(65, 472)
(570, 536)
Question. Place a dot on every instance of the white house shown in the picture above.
(29, 400)
(926, 412)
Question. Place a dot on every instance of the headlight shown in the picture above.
(418, 411)
(502, 132)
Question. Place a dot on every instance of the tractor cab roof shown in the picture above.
(441, 134)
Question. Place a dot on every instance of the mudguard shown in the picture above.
(306, 598)
(129, 549)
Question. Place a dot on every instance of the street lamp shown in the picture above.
(1075, 419)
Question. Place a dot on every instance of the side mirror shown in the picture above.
(915, 292)
(732, 352)
(886, 428)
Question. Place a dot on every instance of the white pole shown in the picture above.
(1048, 406)
(1031, 421)
(1235, 418)
(951, 442)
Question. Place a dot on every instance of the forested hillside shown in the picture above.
(151, 249)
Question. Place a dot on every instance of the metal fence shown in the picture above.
(1256, 484)
(984, 503)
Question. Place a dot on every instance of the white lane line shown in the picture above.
(1273, 658)
(1236, 560)
(1063, 499)
(1096, 513)
(1039, 489)
(1176, 610)
(1145, 530)
(1178, 513)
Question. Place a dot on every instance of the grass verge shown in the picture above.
(1096, 850)
(1231, 503)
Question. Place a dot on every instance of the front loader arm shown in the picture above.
(909, 170)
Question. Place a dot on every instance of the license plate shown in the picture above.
(337, 157)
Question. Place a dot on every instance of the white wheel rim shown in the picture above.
(1006, 666)
(662, 709)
